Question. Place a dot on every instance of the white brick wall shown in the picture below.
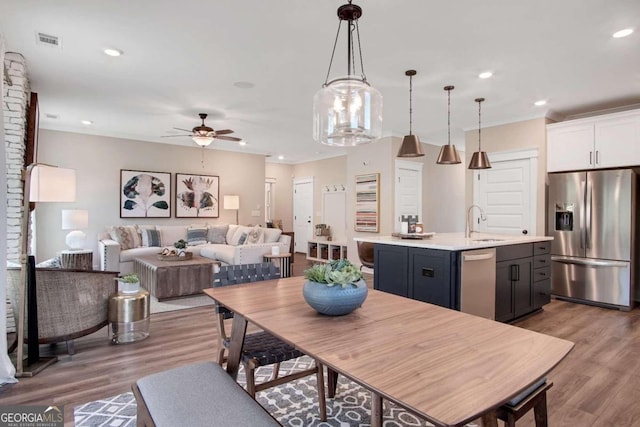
(14, 107)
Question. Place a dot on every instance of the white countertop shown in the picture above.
(456, 241)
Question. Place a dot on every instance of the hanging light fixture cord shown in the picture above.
(479, 100)
(449, 116)
(364, 77)
(333, 52)
(410, 104)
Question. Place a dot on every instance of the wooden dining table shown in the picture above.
(442, 365)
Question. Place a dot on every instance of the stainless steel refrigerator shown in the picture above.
(593, 219)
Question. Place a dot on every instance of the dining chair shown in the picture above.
(365, 253)
(261, 348)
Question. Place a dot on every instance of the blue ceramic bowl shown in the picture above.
(334, 300)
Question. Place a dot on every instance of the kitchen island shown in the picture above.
(517, 282)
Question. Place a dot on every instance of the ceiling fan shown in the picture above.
(203, 135)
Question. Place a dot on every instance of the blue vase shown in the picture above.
(334, 300)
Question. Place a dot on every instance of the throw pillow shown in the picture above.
(127, 236)
(255, 235)
(239, 231)
(150, 238)
(242, 238)
(50, 263)
(218, 233)
(196, 236)
(271, 235)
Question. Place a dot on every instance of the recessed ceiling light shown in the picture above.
(244, 85)
(86, 122)
(540, 103)
(280, 157)
(113, 52)
(485, 75)
(242, 142)
(623, 33)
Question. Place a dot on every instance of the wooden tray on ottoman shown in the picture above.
(171, 278)
(187, 256)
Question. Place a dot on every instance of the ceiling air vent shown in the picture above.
(48, 40)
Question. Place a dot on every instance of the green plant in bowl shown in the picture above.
(180, 244)
(129, 278)
(337, 272)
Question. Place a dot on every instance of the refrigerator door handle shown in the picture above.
(582, 213)
(589, 262)
(588, 208)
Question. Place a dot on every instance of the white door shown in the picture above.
(408, 191)
(302, 212)
(506, 193)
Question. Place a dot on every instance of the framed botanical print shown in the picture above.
(197, 196)
(145, 194)
(368, 202)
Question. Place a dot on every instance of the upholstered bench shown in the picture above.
(201, 394)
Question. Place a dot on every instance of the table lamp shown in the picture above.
(75, 219)
(42, 183)
(232, 202)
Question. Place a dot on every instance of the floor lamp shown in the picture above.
(42, 183)
(232, 202)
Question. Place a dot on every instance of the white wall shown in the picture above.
(283, 209)
(98, 160)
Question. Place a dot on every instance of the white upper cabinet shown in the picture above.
(606, 141)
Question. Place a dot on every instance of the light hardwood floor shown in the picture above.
(598, 384)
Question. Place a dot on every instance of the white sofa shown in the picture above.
(233, 251)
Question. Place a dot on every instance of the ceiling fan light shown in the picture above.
(411, 147)
(479, 160)
(202, 141)
(347, 112)
(448, 155)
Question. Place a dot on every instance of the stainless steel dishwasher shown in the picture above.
(478, 282)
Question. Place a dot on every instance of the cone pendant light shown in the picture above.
(479, 159)
(448, 153)
(411, 146)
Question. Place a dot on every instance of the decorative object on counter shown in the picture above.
(322, 232)
(128, 284)
(335, 289)
(416, 236)
(145, 194)
(411, 221)
(419, 227)
(75, 220)
(367, 202)
(347, 111)
(232, 202)
(197, 196)
(448, 153)
(479, 159)
(411, 146)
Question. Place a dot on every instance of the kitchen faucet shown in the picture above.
(468, 230)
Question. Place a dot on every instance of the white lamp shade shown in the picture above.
(232, 202)
(75, 219)
(52, 184)
(347, 112)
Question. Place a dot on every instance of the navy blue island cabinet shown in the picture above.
(427, 275)
(433, 275)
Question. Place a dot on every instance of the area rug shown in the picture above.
(293, 404)
(179, 303)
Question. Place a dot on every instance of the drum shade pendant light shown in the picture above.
(479, 159)
(411, 146)
(448, 153)
(347, 111)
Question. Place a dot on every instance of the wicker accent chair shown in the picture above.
(261, 348)
(71, 303)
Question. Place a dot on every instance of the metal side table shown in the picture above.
(129, 316)
(282, 260)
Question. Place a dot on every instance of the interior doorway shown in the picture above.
(408, 190)
(302, 212)
(507, 193)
